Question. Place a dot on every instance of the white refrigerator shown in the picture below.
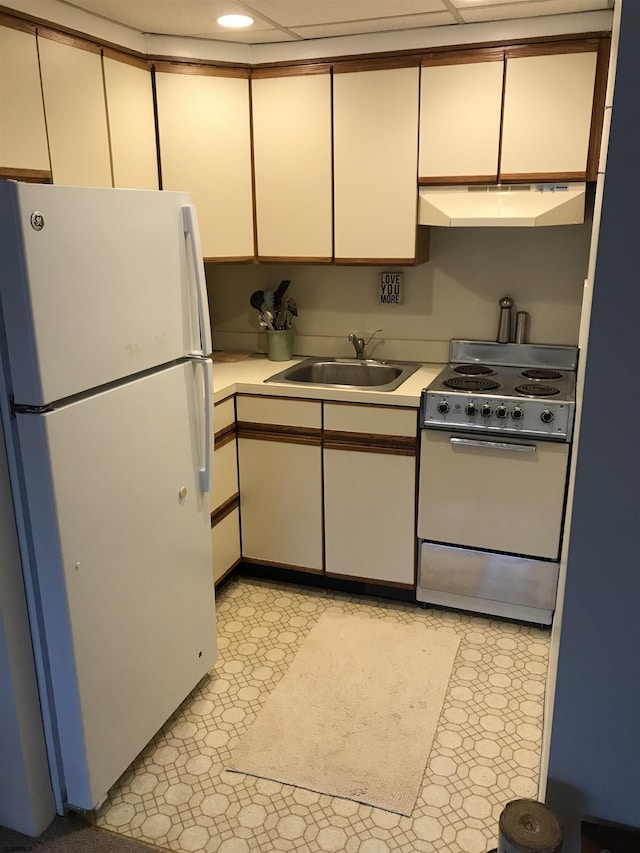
(106, 409)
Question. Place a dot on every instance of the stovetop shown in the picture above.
(511, 389)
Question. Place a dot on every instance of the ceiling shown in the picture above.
(299, 20)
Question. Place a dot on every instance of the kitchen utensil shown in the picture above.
(268, 316)
(279, 294)
(256, 299)
(522, 322)
(504, 325)
(269, 298)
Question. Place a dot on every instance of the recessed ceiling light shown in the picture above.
(235, 21)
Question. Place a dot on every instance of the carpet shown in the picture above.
(356, 713)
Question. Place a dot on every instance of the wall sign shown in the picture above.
(390, 288)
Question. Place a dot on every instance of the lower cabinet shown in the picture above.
(369, 493)
(225, 544)
(323, 487)
(369, 505)
(223, 499)
(280, 464)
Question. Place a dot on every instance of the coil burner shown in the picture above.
(531, 389)
(471, 383)
(542, 374)
(475, 370)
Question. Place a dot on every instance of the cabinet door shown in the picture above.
(548, 102)
(370, 492)
(460, 108)
(280, 464)
(23, 136)
(281, 502)
(292, 157)
(375, 165)
(76, 115)
(225, 544)
(370, 515)
(203, 124)
(131, 122)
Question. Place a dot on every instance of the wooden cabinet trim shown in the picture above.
(33, 176)
(546, 48)
(463, 180)
(200, 69)
(225, 509)
(361, 580)
(391, 445)
(25, 26)
(127, 58)
(276, 432)
(597, 116)
(232, 259)
(70, 40)
(544, 178)
(349, 66)
(225, 400)
(290, 71)
(224, 436)
(463, 57)
(283, 259)
(373, 262)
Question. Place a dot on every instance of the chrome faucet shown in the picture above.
(359, 343)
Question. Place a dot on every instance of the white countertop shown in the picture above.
(248, 376)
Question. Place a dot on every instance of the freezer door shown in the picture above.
(120, 535)
(97, 285)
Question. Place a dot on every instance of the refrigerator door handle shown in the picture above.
(205, 471)
(190, 225)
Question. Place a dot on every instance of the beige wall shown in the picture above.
(454, 295)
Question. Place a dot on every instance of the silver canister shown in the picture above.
(504, 325)
(522, 327)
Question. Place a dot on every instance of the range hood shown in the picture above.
(510, 205)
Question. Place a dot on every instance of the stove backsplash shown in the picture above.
(453, 295)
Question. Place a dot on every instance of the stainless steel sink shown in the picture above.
(352, 373)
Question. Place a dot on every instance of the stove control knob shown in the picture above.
(546, 417)
(517, 413)
(443, 407)
(485, 411)
(501, 412)
(471, 409)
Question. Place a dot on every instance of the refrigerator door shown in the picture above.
(120, 538)
(97, 285)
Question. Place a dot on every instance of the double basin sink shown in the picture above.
(350, 373)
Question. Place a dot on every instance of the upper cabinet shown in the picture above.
(530, 113)
(548, 104)
(129, 93)
(23, 135)
(460, 113)
(205, 148)
(375, 137)
(75, 109)
(292, 160)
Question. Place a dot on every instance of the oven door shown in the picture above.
(490, 520)
(491, 493)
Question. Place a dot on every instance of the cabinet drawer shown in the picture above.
(372, 420)
(224, 414)
(276, 410)
(225, 544)
(225, 475)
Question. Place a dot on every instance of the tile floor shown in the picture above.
(178, 795)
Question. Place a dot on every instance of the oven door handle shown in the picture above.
(493, 445)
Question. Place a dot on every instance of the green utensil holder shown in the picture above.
(280, 344)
